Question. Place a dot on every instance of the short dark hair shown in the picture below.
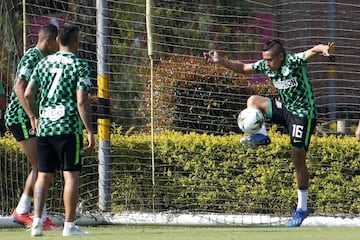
(50, 29)
(274, 42)
(67, 33)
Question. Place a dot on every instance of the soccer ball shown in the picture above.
(250, 120)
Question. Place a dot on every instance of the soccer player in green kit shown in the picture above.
(296, 110)
(17, 117)
(63, 82)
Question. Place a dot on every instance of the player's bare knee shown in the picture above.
(251, 101)
(256, 101)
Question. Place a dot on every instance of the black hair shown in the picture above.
(67, 33)
(50, 29)
(274, 42)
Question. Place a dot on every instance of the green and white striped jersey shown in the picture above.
(292, 84)
(15, 114)
(59, 76)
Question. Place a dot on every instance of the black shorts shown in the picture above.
(22, 131)
(62, 152)
(300, 129)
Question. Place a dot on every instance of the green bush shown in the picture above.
(201, 172)
(209, 173)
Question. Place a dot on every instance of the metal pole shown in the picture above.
(104, 106)
(150, 54)
(331, 70)
(24, 26)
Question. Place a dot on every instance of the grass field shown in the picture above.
(198, 233)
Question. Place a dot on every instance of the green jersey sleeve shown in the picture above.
(84, 82)
(259, 66)
(28, 63)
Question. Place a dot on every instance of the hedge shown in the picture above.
(208, 173)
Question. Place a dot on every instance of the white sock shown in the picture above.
(24, 204)
(69, 224)
(263, 130)
(44, 214)
(302, 199)
(36, 220)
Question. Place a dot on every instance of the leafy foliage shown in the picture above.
(200, 172)
(191, 95)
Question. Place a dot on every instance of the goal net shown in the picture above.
(159, 103)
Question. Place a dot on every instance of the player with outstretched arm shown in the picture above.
(296, 110)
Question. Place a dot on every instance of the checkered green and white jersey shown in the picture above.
(59, 76)
(292, 84)
(14, 112)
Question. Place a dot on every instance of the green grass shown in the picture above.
(198, 233)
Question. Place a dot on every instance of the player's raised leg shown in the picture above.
(261, 137)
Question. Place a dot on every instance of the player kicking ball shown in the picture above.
(296, 110)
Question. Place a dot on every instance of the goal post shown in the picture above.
(104, 105)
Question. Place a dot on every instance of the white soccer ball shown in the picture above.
(250, 120)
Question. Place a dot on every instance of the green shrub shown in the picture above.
(201, 172)
(210, 173)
